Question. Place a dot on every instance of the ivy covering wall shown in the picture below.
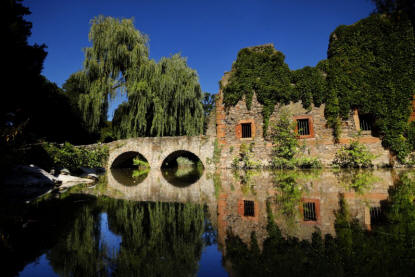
(262, 69)
(369, 67)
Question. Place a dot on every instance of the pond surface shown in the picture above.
(223, 223)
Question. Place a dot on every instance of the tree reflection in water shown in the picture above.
(158, 239)
(387, 250)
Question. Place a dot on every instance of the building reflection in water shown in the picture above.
(302, 201)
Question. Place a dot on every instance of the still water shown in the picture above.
(223, 223)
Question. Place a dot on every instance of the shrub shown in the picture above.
(308, 162)
(245, 158)
(71, 157)
(286, 148)
(140, 163)
(355, 155)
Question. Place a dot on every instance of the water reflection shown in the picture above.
(157, 240)
(182, 168)
(290, 223)
(388, 250)
(129, 176)
(182, 176)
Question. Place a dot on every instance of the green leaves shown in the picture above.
(355, 155)
(72, 158)
(370, 66)
(262, 70)
(164, 99)
(286, 148)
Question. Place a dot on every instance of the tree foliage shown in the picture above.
(73, 158)
(405, 8)
(164, 98)
(32, 108)
(171, 233)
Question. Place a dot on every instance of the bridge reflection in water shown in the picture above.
(302, 201)
(156, 188)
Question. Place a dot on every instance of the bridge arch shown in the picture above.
(171, 159)
(125, 159)
(157, 149)
(182, 168)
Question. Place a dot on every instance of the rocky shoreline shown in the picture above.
(29, 182)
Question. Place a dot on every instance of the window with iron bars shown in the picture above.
(303, 127)
(246, 130)
(376, 215)
(309, 211)
(365, 122)
(249, 208)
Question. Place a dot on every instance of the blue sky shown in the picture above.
(208, 33)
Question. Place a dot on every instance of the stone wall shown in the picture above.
(320, 143)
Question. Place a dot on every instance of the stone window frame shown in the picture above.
(317, 207)
(310, 126)
(238, 129)
(241, 209)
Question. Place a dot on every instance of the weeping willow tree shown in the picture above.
(164, 98)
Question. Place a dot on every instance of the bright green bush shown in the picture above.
(140, 163)
(71, 157)
(245, 159)
(286, 147)
(307, 162)
(354, 155)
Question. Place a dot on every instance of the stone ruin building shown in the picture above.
(236, 125)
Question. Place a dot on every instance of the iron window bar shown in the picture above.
(376, 215)
(246, 130)
(365, 122)
(309, 211)
(303, 127)
(249, 208)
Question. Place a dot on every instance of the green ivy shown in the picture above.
(261, 69)
(310, 85)
(369, 67)
(245, 158)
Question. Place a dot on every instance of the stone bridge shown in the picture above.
(156, 149)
